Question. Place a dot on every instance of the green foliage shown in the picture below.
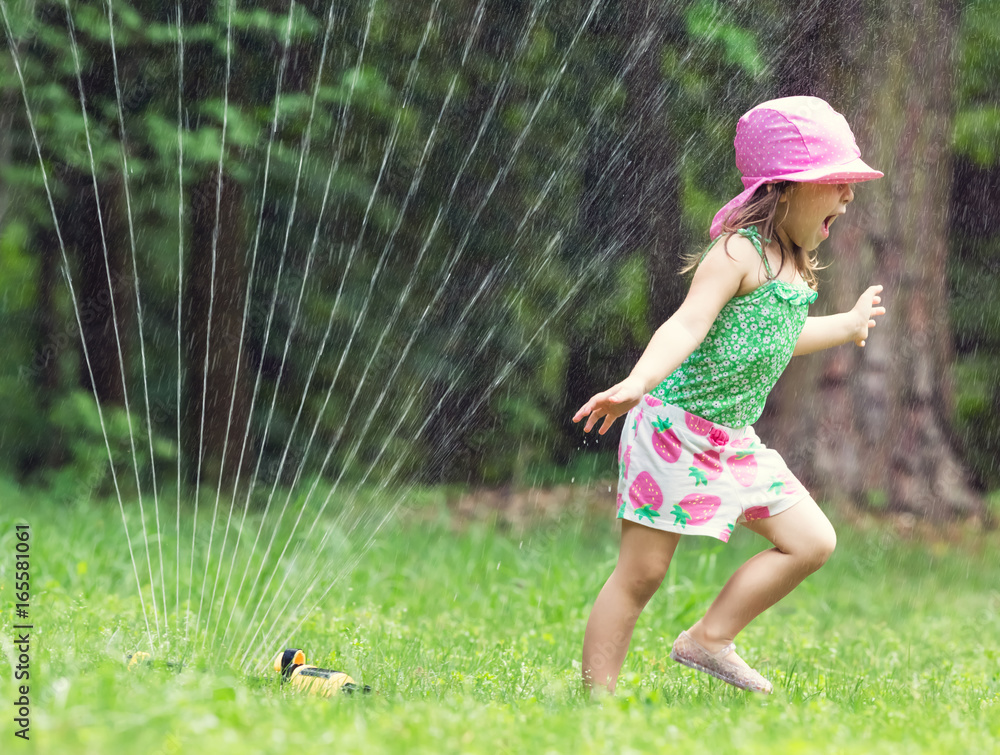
(977, 418)
(449, 175)
(977, 134)
(993, 503)
(972, 267)
(980, 31)
(631, 299)
(23, 439)
(977, 121)
(83, 439)
(454, 269)
(708, 21)
(977, 319)
(302, 27)
(720, 61)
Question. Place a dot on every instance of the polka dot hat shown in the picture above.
(793, 139)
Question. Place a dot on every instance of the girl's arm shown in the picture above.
(717, 279)
(833, 330)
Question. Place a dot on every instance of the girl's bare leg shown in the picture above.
(642, 563)
(803, 540)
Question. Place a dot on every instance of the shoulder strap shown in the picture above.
(755, 238)
(758, 242)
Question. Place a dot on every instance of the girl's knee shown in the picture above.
(818, 546)
(643, 561)
(640, 579)
(803, 532)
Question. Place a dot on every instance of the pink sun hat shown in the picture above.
(793, 139)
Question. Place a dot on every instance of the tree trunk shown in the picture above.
(883, 417)
(45, 366)
(216, 399)
(106, 297)
(217, 392)
(816, 59)
(631, 195)
(454, 431)
(650, 199)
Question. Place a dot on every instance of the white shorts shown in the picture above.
(682, 473)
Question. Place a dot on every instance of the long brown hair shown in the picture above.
(761, 210)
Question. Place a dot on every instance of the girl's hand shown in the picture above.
(610, 404)
(866, 310)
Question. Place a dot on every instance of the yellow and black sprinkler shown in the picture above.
(290, 663)
(141, 659)
(324, 682)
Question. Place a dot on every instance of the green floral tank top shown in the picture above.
(728, 377)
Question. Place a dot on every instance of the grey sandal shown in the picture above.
(689, 653)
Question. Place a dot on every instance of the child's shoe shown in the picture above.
(689, 653)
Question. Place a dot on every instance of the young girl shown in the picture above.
(690, 462)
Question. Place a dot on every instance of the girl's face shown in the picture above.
(809, 211)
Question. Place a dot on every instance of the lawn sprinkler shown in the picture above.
(291, 664)
(140, 658)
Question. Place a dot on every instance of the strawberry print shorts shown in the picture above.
(681, 473)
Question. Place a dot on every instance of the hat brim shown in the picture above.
(855, 171)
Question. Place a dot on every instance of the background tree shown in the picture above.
(442, 226)
(975, 243)
(817, 53)
(216, 402)
(885, 413)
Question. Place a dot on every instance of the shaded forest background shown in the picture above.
(280, 243)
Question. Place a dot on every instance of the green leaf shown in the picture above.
(706, 20)
(633, 297)
(662, 424)
(976, 134)
(699, 477)
(680, 515)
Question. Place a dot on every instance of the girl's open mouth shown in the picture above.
(827, 222)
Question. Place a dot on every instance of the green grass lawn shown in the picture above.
(469, 635)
